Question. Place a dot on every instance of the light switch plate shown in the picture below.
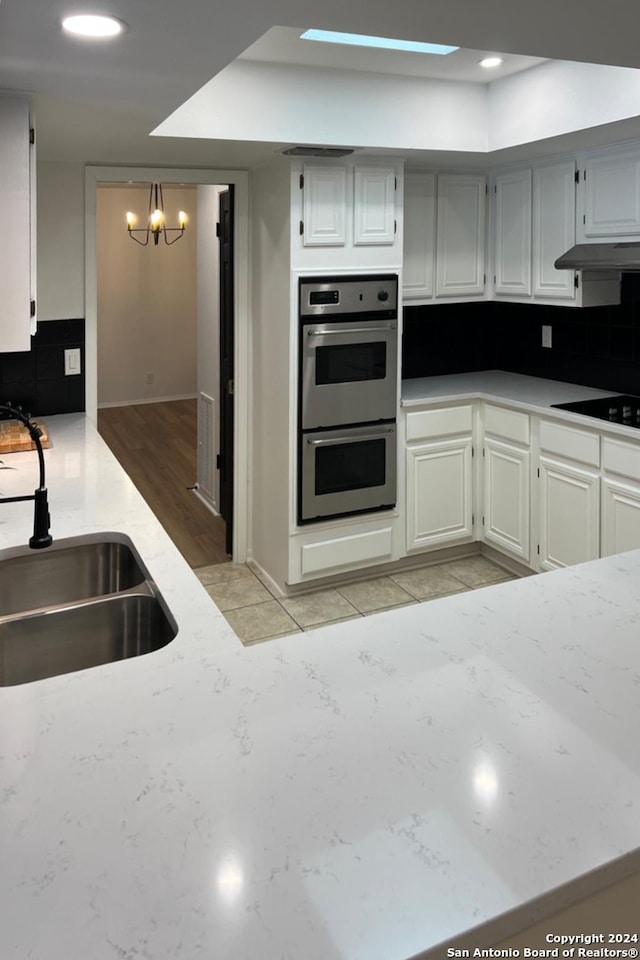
(72, 365)
(546, 336)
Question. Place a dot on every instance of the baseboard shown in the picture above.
(135, 403)
(403, 565)
(208, 503)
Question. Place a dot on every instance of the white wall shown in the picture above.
(291, 104)
(556, 98)
(60, 240)
(281, 103)
(147, 318)
(272, 474)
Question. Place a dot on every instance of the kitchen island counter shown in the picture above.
(365, 791)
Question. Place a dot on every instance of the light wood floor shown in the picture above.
(155, 443)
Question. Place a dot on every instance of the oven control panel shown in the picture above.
(349, 296)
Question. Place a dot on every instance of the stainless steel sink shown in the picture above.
(47, 644)
(69, 570)
(81, 603)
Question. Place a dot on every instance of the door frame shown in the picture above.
(94, 176)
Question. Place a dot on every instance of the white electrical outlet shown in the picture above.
(72, 365)
(149, 378)
(546, 336)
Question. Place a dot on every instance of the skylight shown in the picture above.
(384, 43)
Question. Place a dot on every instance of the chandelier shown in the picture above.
(156, 223)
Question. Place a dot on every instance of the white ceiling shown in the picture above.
(99, 102)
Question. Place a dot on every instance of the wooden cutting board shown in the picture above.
(14, 437)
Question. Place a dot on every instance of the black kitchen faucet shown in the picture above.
(41, 519)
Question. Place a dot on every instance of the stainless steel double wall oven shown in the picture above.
(348, 361)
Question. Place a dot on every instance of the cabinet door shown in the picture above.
(419, 234)
(439, 492)
(324, 209)
(620, 517)
(612, 195)
(460, 269)
(16, 239)
(569, 514)
(512, 193)
(554, 228)
(374, 218)
(506, 497)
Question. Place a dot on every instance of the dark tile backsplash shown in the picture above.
(35, 379)
(592, 346)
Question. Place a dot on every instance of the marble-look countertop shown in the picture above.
(515, 387)
(364, 791)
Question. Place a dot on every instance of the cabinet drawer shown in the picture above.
(338, 552)
(425, 424)
(569, 442)
(620, 457)
(510, 424)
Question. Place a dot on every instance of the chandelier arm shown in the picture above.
(143, 243)
(179, 230)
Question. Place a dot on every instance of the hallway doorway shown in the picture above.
(238, 180)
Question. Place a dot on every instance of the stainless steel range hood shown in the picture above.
(601, 256)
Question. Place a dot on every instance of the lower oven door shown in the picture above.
(347, 470)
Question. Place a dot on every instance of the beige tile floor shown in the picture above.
(256, 614)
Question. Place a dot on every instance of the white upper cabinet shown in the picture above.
(374, 205)
(345, 215)
(612, 194)
(17, 243)
(534, 217)
(554, 217)
(512, 193)
(460, 249)
(324, 207)
(419, 234)
(534, 223)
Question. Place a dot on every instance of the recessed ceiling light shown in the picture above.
(490, 62)
(385, 43)
(93, 27)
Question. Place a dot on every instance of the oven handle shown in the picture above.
(337, 333)
(337, 440)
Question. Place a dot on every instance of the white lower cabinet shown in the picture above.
(506, 480)
(569, 505)
(439, 493)
(341, 547)
(506, 497)
(620, 528)
(439, 477)
(620, 517)
(568, 495)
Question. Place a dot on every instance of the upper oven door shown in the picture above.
(348, 372)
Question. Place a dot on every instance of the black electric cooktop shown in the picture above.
(617, 409)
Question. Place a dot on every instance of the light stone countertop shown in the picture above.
(516, 388)
(364, 791)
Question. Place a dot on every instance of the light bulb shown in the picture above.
(93, 27)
